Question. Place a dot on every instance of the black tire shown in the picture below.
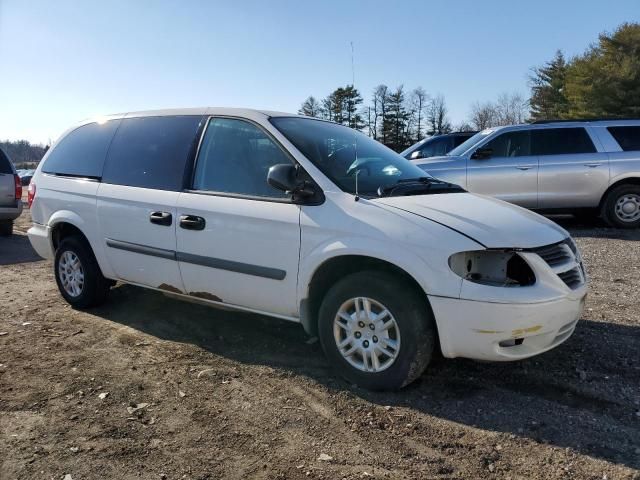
(6, 228)
(418, 334)
(609, 206)
(95, 288)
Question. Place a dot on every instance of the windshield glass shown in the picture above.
(332, 148)
(413, 147)
(464, 146)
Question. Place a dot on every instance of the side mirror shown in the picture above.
(284, 177)
(482, 153)
(415, 155)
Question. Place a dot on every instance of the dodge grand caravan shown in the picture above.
(308, 221)
(586, 168)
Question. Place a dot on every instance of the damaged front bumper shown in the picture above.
(502, 331)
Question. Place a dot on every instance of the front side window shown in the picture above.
(235, 157)
(561, 141)
(470, 142)
(151, 152)
(511, 144)
(343, 154)
(627, 137)
(81, 153)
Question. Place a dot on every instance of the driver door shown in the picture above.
(507, 171)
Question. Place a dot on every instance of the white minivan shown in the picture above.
(308, 221)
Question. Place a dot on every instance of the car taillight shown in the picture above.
(31, 193)
(18, 187)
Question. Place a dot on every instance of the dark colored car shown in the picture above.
(436, 145)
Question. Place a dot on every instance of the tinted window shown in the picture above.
(433, 147)
(5, 166)
(151, 152)
(627, 137)
(561, 141)
(460, 139)
(81, 153)
(235, 157)
(511, 144)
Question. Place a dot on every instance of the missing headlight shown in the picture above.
(495, 268)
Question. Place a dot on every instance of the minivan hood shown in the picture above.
(491, 222)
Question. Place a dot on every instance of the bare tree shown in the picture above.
(483, 115)
(511, 108)
(437, 119)
(417, 103)
(380, 97)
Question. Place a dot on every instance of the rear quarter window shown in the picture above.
(81, 153)
(151, 152)
(627, 137)
(5, 164)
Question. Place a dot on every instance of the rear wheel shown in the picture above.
(78, 275)
(621, 207)
(6, 228)
(377, 330)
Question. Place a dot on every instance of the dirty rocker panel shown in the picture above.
(212, 262)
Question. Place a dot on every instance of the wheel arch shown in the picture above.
(336, 267)
(629, 180)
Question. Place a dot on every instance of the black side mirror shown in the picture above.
(482, 153)
(284, 177)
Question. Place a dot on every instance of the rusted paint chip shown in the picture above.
(206, 296)
(169, 288)
(488, 331)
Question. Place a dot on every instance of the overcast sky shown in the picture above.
(62, 61)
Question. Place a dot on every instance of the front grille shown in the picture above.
(573, 277)
(555, 254)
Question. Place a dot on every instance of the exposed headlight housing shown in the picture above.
(496, 268)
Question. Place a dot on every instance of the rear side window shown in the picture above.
(627, 137)
(561, 141)
(81, 153)
(151, 152)
(5, 166)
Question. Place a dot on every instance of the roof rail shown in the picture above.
(601, 119)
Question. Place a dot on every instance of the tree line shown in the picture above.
(604, 81)
(22, 152)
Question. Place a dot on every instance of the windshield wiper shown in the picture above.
(416, 186)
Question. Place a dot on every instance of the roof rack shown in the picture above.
(601, 119)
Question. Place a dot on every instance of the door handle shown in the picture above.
(192, 222)
(161, 218)
(524, 167)
(592, 165)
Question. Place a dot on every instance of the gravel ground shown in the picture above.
(150, 387)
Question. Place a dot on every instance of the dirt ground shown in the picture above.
(229, 395)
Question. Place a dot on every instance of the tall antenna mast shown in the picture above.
(355, 135)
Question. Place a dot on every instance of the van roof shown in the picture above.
(241, 112)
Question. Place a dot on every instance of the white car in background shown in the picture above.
(10, 195)
(308, 221)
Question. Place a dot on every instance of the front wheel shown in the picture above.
(621, 207)
(377, 330)
(78, 275)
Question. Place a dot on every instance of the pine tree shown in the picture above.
(548, 100)
(395, 121)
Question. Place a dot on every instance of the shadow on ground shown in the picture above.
(16, 249)
(579, 395)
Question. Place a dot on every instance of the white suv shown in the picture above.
(309, 221)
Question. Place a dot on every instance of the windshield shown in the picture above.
(466, 145)
(332, 148)
(413, 147)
